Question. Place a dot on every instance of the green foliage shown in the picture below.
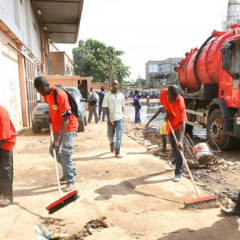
(91, 59)
(140, 82)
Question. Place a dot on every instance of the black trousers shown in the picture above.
(6, 172)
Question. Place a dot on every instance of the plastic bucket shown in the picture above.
(202, 153)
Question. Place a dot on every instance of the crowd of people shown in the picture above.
(103, 104)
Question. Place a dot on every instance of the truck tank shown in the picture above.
(202, 66)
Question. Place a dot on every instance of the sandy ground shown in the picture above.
(136, 194)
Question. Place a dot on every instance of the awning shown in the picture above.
(60, 19)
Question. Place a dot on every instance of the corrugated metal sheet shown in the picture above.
(59, 18)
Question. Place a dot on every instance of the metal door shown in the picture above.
(82, 86)
(30, 74)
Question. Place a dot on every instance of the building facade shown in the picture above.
(27, 27)
(158, 72)
(232, 16)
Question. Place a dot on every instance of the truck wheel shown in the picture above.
(215, 128)
(36, 129)
(81, 127)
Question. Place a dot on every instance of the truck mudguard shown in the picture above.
(226, 112)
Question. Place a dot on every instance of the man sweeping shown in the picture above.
(7, 143)
(176, 114)
(64, 126)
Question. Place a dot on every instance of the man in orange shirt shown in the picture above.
(7, 143)
(64, 126)
(175, 113)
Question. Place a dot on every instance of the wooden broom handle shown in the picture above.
(55, 162)
(184, 159)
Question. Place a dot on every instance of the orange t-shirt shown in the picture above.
(56, 111)
(7, 130)
(176, 110)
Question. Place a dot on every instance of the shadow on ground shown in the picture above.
(224, 229)
(128, 187)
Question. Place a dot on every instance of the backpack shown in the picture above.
(72, 102)
(92, 101)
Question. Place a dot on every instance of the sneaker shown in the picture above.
(177, 178)
(62, 179)
(6, 201)
(69, 187)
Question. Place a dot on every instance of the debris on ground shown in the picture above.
(43, 233)
(57, 229)
(90, 228)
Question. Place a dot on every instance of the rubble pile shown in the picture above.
(90, 228)
(56, 229)
(143, 136)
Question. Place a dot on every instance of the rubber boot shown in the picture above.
(164, 142)
(234, 211)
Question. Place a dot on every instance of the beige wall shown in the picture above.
(63, 81)
(10, 97)
(58, 64)
(97, 86)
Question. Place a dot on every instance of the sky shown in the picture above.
(149, 30)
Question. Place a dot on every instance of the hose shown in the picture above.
(193, 94)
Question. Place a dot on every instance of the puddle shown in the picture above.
(147, 112)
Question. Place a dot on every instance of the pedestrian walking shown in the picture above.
(176, 114)
(113, 103)
(7, 143)
(93, 100)
(147, 99)
(101, 109)
(64, 126)
(126, 97)
(137, 105)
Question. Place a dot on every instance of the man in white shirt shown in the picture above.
(113, 103)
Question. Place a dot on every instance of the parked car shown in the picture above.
(41, 112)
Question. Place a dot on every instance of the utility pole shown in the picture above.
(110, 67)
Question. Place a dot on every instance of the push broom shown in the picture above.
(64, 200)
(199, 200)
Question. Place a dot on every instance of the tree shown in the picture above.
(91, 58)
(140, 82)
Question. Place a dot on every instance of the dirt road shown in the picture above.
(136, 194)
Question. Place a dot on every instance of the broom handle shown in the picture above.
(184, 159)
(55, 162)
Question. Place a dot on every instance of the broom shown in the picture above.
(199, 200)
(64, 200)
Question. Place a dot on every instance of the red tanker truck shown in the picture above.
(208, 78)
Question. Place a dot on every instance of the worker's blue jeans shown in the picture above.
(118, 129)
(178, 157)
(137, 114)
(101, 109)
(64, 155)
